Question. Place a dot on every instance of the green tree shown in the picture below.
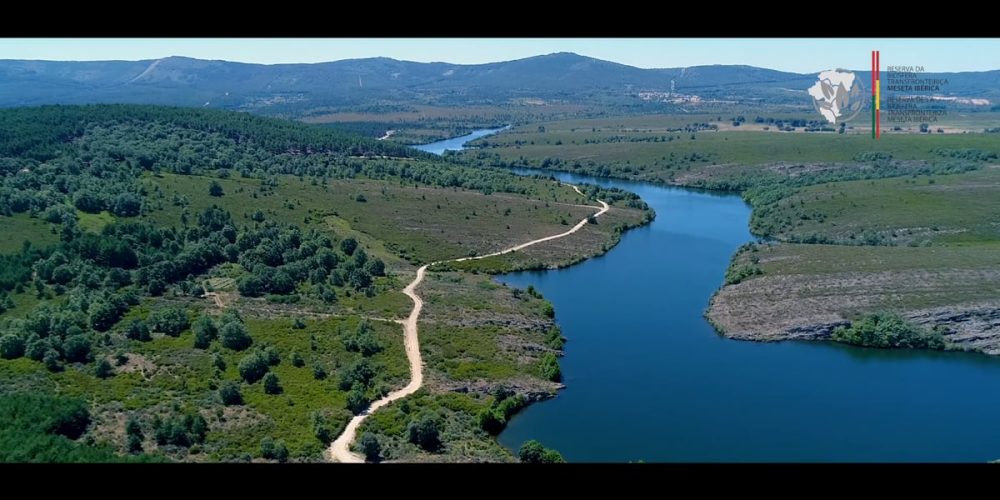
(297, 360)
(104, 315)
(348, 245)
(170, 320)
(103, 369)
(321, 429)
(77, 348)
(137, 330)
(550, 367)
(531, 452)
(252, 367)
(230, 394)
(359, 374)
(52, 360)
(11, 346)
(219, 362)
(272, 356)
(271, 384)
(319, 373)
(425, 432)
(215, 189)
(491, 421)
(370, 446)
(357, 401)
(552, 457)
(205, 331)
(134, 434)
(235, 336)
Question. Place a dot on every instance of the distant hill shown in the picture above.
(298, 88)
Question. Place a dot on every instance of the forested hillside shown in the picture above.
(213, 285)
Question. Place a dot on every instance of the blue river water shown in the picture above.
(647, 378)
(456, 143)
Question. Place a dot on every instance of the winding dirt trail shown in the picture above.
(340, 448)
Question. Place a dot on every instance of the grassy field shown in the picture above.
(420, 124)
(22, 227)
(417, 222)
(643, 149)
(593, 239)
(922, 210)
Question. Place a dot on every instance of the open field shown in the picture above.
(960, 208)
(420, 124)
(423, 223)
(20, 228)
(641, 152)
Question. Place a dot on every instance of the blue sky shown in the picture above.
(799, 55)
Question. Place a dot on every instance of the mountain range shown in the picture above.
(356, 83)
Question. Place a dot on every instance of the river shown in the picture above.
(457, 143)
(647, 378)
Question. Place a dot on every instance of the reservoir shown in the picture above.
(647, 378)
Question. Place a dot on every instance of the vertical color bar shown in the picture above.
(873, 94)
(878, 95)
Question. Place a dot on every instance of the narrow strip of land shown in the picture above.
(340, 449)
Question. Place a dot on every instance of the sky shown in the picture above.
(798, 55)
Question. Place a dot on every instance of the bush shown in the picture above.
(215, 189)
(548, 310)
(319, 373)
(273, 450)
(348, 245)
(104, 315)
(358, 374)
(218, 362)
(550, 367)
(52, 360)
(363, 341)
(77, 348)
(272, 356)
(11, 346)
(180, 431)
(271, 384)
(235, 336)
(370, 447)
(230, 394)
(532, 452)
(103, 369)
(170, 320)
(205, 332)
(741, 272)
(321, 429)
(253, 367)
(137, 330)
(888, 331)
(357, 401)
(424, 432)
(297, 360)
